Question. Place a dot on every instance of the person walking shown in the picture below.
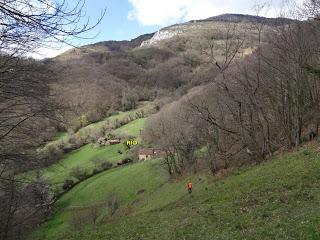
(189, 186)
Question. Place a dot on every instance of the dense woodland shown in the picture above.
(219, 107)
(256, 106)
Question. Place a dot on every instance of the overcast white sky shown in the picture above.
(126, 19)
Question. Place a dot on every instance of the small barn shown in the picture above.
(114, 141)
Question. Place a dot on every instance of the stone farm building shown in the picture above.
(149, 153)
(114, 141)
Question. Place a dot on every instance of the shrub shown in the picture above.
(141, 191)
(131, 118)
(117, 123)
(72, 138)
(54, 150)
(307, 152)
(96, 134)
(101, 164)
(83, 217)
(101, 141)
(78, 173)
(112, 202)
(93, 213)
(51, 154)
(68, 183)
(110, 136)
(127, 160)
(70, 148)
(97, 162)
(79, 220)
(83, 119)
(140, 114)
(106, 165)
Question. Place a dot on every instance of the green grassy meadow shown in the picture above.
(278, 199)
(125, 182)
(133, 128)
(143, 106)
(82, 157)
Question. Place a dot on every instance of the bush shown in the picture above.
(101, 141)
(83, 217)
(93, 213)
(72, 139)
(127, 160)
(307, 152)
(110, 136)
(78, 173)
(55, 150)
(79, 220)
(67, 184)
(101, 164)
(96, 134)
(51, 153)
(70, 148)
(106, 165)
(141, 191)
(140, 114)
(116, 123)
(131, 118)
(112, 201)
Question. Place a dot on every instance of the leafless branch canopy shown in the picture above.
(25, 25)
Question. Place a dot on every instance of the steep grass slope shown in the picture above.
(82, 157)
(275, 200)
(133, 128)
(125, 182)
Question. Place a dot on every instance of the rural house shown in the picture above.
(149, 153)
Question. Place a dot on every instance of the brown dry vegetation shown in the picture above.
(253, 107)
(229, 107)
(95, 79)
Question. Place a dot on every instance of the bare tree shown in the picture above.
(26, 25)
(296, 86)
(255, 106)
(26, 97)
(312, 9)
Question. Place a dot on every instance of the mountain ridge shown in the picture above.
(235, 17)
(149, 39)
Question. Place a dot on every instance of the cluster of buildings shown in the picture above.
(143, 153)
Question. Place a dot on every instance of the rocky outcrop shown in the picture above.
(163, 34)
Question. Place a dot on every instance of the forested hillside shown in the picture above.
(100, 141)
(107, 76)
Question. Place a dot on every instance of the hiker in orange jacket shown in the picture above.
(189, 186)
